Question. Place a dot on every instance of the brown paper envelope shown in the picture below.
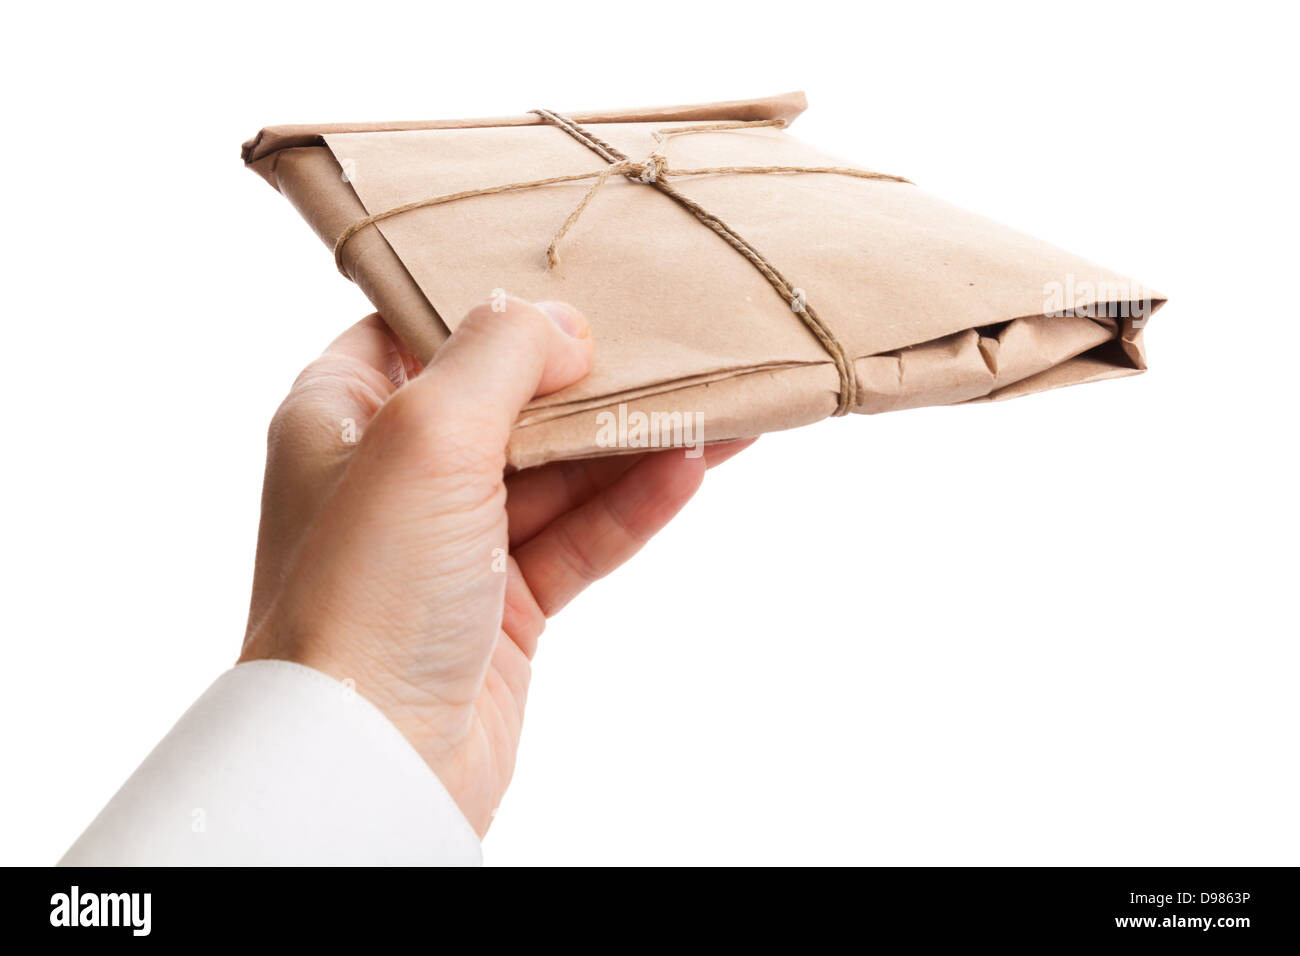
(938, 306)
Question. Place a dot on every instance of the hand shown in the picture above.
(409, 563)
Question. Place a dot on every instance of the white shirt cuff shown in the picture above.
(279, 764)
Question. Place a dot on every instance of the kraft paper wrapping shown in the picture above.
(935, 305)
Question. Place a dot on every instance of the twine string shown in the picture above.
(656, 172)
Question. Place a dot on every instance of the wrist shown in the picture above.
(437, 727)
(405, 705)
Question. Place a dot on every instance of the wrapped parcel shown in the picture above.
(737, 280)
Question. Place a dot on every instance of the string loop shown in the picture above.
(657, 172)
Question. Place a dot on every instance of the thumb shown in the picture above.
(496, 361)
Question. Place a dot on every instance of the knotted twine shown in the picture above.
(655, 172)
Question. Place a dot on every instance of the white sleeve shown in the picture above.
(279, 764)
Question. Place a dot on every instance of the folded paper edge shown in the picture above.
(798, 395)
(312, 180)
(785, 106)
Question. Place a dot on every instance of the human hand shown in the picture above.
(410, 563)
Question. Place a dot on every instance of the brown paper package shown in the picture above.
(935, 305)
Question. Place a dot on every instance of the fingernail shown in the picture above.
(566, 317)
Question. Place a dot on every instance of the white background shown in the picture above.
(1056, 630)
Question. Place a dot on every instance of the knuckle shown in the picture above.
(294, 423)
(523, 619)
(623, 523)
(325, 387)
(576, 556)
(332, 375)
(291, 418)
(279, 423)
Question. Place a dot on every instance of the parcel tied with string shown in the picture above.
(737, 279)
